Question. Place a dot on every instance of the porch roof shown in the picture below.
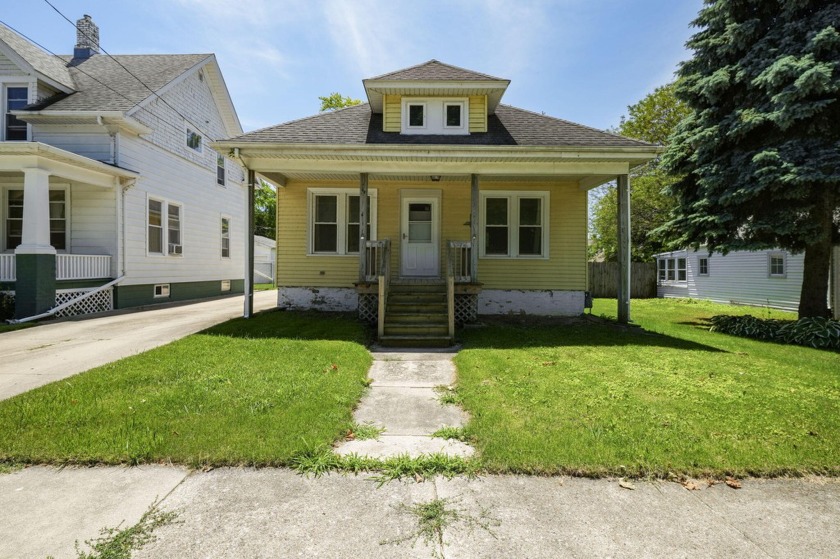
(17, 156)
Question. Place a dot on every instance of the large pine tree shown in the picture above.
(760, 151)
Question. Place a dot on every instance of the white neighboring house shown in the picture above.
(766, 278)
(265, 256)
(107, 179)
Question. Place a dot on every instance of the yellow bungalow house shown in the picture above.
(471, 207)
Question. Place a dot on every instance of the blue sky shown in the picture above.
(581, 60)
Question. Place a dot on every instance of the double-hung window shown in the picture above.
(515, 224)
(703, 266)
(13, 127)
(225, 237)
(164, 226)
(334, 224)
(220, 169)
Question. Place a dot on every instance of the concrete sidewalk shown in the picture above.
(36, 356)
(232, 513)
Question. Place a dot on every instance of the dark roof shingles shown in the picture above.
(436, 70)
(508, 127)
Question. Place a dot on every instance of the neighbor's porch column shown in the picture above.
(363, 220)
(623, 194)
(473, 228)
(35, 256)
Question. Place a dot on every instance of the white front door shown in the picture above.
(420, 245)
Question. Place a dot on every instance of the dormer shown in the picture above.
(434, 98)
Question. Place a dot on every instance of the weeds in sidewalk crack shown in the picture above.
(436, 517)
(117, 543)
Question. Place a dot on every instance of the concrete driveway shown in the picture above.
(36, 356)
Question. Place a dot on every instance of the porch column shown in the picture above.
(363, 219)
(623, 248)
(474, 228)
(35, 256)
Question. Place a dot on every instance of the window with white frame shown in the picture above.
(672, 269)
(515, 224)
(453, 114)
(703, 266)
(194, 140)
(435, 115)
(416, 115)
(14, 129)
(776, 265)
(334, 220)
(164, 223)
(220, 169)
(58, 218)
(225, 237)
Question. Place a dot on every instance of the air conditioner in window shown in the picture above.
(175, 249)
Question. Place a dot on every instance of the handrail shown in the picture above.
(461, 262)
(384, 281)
(69, 303)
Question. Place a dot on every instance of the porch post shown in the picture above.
(249, 246)
(473, 228)
(35, 256)
(623, 248)
(363, 219)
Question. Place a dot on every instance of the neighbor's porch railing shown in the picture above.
(67, 267)
(7, 267)
(82, 266)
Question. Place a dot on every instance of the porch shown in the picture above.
(61, 215)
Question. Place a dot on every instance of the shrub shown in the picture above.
(7, 306)
(822, 333)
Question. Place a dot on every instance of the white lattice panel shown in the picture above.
(466, 308)
(99, 302)
(368, 307)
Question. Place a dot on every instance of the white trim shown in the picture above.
(672, 267)
(341, 218)
(513, 222)
(164, 291)
(700, 272)
(407, 104)
(462, 127)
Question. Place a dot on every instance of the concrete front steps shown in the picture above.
(416, 316)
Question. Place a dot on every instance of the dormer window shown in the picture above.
(417, 115)
(434, 115)
(453, 113)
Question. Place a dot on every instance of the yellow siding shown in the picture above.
(564, 270)
(391, 113)
(478, 113)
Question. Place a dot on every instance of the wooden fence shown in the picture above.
(603, 279)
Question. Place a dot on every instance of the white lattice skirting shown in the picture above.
(368, 307)
(100, 302)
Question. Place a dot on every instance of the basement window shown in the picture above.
(161, 290)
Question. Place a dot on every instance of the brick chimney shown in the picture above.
(87, 38)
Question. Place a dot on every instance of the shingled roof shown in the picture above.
(435, 70)
(43, 62)
(101, 84)
(510, 126)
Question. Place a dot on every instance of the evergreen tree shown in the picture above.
(760, 151)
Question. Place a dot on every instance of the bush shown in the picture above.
(821, 333)
(7, 306)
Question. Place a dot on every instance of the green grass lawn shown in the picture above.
(251, 391)
(264, 287)
(598, 399)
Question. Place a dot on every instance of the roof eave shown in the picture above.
(101, 118)
(495, 89)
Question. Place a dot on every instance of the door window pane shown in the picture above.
(419, 232)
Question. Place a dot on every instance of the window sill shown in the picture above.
(518, 257)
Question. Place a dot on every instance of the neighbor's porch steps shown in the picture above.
(416, 316)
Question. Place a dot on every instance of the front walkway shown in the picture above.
(404, 400)
(233, 512)
(33, 357)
